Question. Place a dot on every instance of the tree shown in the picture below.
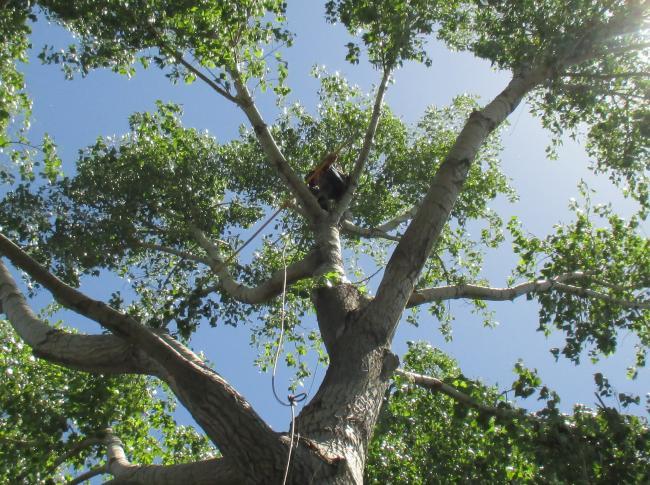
(165, 206)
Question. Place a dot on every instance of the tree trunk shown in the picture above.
(341, 416)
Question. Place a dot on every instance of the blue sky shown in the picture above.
(76, 112)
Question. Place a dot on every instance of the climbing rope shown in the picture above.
(292, 399)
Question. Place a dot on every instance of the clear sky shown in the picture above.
(76, 112)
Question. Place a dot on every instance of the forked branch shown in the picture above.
(265, 291)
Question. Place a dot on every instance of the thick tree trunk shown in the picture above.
(341, 416)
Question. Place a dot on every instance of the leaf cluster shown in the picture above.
(424, 437)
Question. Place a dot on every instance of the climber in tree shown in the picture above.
(326, 182)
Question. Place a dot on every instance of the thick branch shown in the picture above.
(406, 263)
(105, 354)
(271, 288)
(219, 409)
(477, 292)
(412, 251)
(120, 324)
(275, 156)
(362, 158)
(436, 385)
(207, 472)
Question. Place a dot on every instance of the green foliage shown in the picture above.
(221, 35)
(424, 437)
(393, 31)
(613, 252)
(15, 105)
(46, 409)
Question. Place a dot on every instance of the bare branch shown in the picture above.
(105, 354)
(396, 221)
(214, 471)
(362, 158)
(272, 287)
(436, 385)
(273, 153)
(477, 292)
(382, 230)
(367, 232)
(175, 252)
(93, 472)
(178, 56)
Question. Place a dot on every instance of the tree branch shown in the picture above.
(93, 472)
(214, 471)
(178, 56)
(367, 232)
(585, 48)
(175, 252)
(272, 287)
(608, 76)
(75, 449)
(225, 416)
(275, 156)
(396, 221)
(477, 292)
(588, 293)
(120, 324)
(362, 158)
(412, 251)
(99, 354)
(436, 385)
(382, 230)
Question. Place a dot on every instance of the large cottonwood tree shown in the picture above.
(165, 206)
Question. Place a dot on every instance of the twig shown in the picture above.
(93, 472)
(436, 385)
